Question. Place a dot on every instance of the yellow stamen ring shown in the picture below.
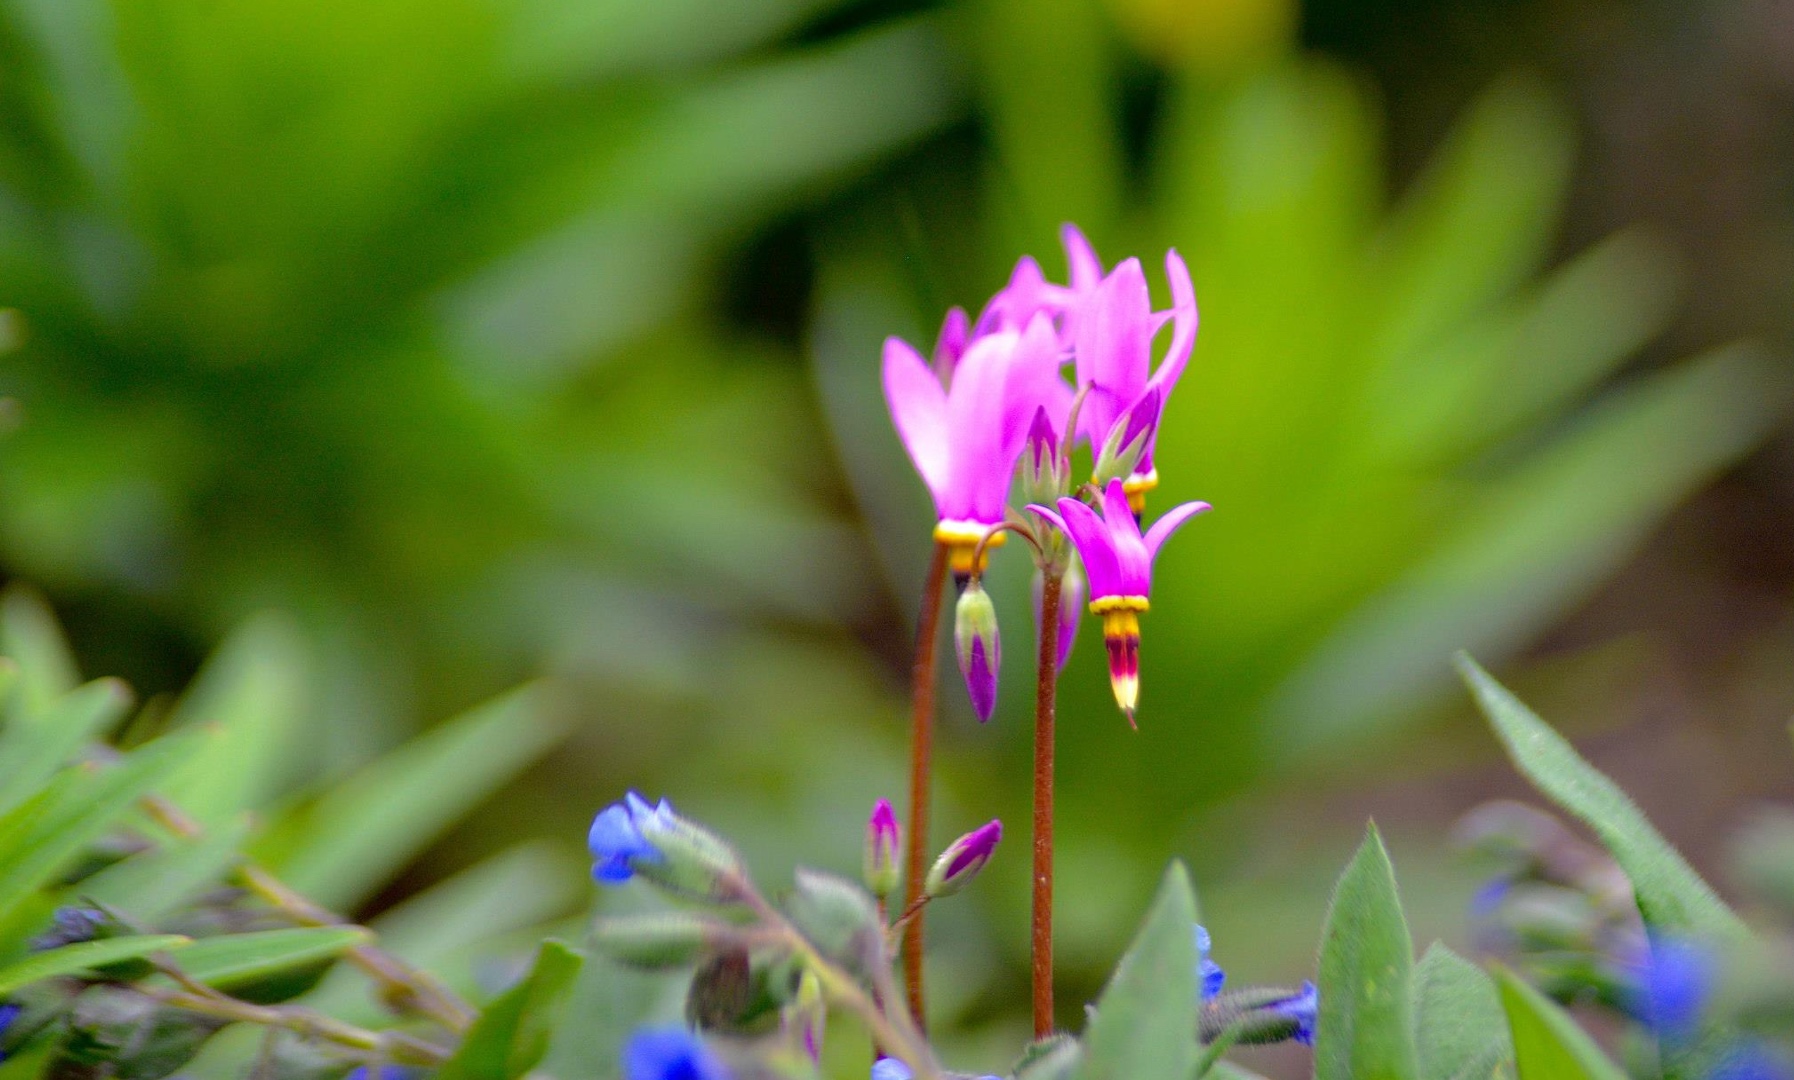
(962, 538)
(1103, 605)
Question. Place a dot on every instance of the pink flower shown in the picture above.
(964, 437)
(1029, 293)
(1113, 330)
(1118, 566)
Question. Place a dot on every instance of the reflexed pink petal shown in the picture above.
(1133, 565)
(1172, 520)
(1095, 546)
(1086, 268)
(956, 330)
(979, 462)
(919, 409)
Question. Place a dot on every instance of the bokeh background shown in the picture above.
(421, 349)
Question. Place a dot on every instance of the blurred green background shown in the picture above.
(494, 339)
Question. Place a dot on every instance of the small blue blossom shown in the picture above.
(1488, 898)
(1679, 980)
(1751, 1060)
(1207, 971)
(670, 1053)
(9, 1012)
(890, 1068)
(386, 1072)
(618, 839)
(1304, 1009)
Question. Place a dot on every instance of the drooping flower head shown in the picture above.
(1118, 565)
(634, 837)
(670, 1053)
(618, 838)
(1114, 329)
(964, 437)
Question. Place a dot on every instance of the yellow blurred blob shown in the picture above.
(1207, 35)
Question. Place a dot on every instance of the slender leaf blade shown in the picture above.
(1671, 896)
(150, 884)
(31, 638)
(512, 1034)
(234, 959)
(1145, 1022)
(31, 753)
(1367, 963)
(84, 956)
(1548, 1045)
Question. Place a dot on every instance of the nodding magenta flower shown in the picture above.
(670, 1053)
(880, 868)
(1029, 293)
(618, 839)
(1208, 973)
(962, 860)
(1114, 329)
(965, 436)
(1118, 562)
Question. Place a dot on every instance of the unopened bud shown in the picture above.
(1128, 439)
(1263, 1014)
(962, 860)
(880, 868)
(660, 940)
(980, 652)
(1045, 474)
(836, 915)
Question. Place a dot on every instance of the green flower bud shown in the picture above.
(836, 915)
(660, 940)
(979, 650)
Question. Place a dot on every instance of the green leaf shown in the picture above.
(1145, 1022)
(1548, 1045)
(85, 956)
(1213, 1050)
(150, 884)
(363, 831)
(30, 637)
(1459, 1029)
(511, 1035)
(611, 1001)
(1671, 896)
(1367, 960)
(42, 835)
(31, 752)
(251, 690)
(235, 959)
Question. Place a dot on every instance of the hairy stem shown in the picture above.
(921, 767)
(1046, 688)
(407, 988)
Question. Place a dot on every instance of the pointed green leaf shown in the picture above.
(152, 883)
(42, 835)
(31, 752)
(85, 956)
(1145, 1022)
(251, 690)
(1671, 896)
(1367, 960)
(235, 959)
(363, 831)
(512, 1033)
(1547, 1043)
(1459, 1028)
(31, 638)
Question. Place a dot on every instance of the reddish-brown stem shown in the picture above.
(1046, 688)
(921, 768)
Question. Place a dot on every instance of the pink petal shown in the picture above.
(1169, 523)
(1095, 546)
(1133, 563)
(1086, 268)
(979, 458)
(1114, 340)
(919, 409)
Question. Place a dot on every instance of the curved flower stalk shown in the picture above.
(965, 436)
(1118, 565)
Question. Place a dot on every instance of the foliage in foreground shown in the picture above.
(166, 907)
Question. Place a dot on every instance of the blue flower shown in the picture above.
(9, 1012)
(386, 1072)
(1304, 1009)
(670, 1053)
(1679, 980)
(1751, 1060)
(889, 1068)
(618, 842)
(1209, 972)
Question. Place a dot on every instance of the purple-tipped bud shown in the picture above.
(1072, 588)
(980, 652)
(1128, 438)
(880, 868)
(1045, 475)
(962, 860)
(956, 332)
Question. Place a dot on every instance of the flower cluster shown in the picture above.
(997, 392)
